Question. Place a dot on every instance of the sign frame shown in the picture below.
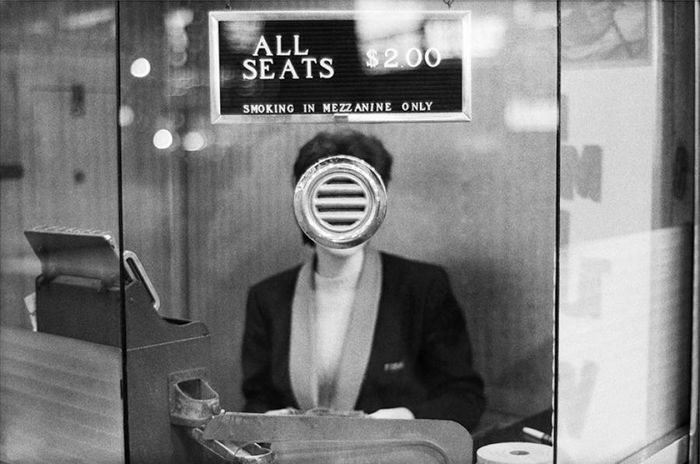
(227, 15)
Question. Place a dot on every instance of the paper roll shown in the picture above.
(514, 453)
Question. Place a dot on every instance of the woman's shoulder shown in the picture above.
(411, 268)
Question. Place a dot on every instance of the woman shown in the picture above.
(358, 330)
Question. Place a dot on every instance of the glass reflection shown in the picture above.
(60, 397)
(626, 238)
(477, 198)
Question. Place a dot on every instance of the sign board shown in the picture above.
(315, 66)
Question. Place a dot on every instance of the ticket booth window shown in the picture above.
(555, 198)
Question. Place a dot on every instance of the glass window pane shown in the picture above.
(627, 194)
(60, 385)
(208, 207)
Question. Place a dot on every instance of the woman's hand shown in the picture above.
(392, 413)
(280, 412)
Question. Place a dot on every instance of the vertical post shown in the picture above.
(694, 448)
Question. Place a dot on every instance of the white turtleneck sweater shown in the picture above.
(334, 302)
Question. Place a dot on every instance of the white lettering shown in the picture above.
(372, 107)
(327, 64)
(421, 106)
(358, 107)
(268, 108)
(262, 68)
(262, 43)
(296, 47)
(281, 52)
(289, 68)
(308, 62)
(249, 64)
(265, 68)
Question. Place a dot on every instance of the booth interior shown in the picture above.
(207, 208)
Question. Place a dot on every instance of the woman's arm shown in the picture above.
(456, 391)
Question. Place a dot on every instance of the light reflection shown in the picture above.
(532, 115)
(371, 26)
(126, 115)
(179, 19)
(88, 19)
(194, 141)
(525, 13)
(402, 33)
(140, 67)
(623, 338)
(241, 35)
(178, 59)
(488, 36)
(440, 34)
(175, 23)
(163, 139)
(40, 27)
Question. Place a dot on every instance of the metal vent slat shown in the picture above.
(339, 189)
(330, 216)
(341, 202)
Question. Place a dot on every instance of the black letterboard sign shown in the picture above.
(320, 66)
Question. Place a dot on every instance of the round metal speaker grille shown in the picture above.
(340, 202)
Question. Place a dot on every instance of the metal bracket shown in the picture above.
(136, 271)
(192, 401)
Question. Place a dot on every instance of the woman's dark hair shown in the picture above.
(344, 142)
